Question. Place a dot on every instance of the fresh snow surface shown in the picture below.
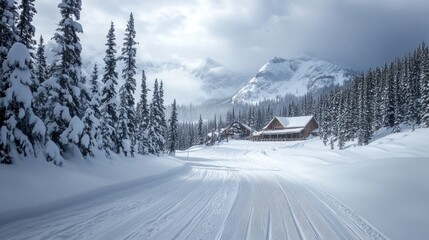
(234, 190)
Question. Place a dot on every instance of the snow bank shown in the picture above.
(27, 186)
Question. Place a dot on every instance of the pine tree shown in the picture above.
(335, 112)
(362, 110)
(413, 90)
(369, 112)
(25, 27)
(8, 31)
(93, 115)
(40, 75)
(162, 109)
(378, 100)
(22, 132)
(365, 109)
(341, 121)
(8, 36)
(65, 104)
(40, 62)
(397, 91)
(389, 97)
(95, 93)
(172, 134)
(200, 133)
(142, 119)
(154, 131)
(108, 96)
(127, 126)
(91, 133)
(424, 82)
(191, 131)
(123, 126)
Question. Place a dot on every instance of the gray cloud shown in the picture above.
(244, 34)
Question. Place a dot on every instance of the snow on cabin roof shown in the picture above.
(242, 124)
(292, 122)
(281, 131)
(247, 127)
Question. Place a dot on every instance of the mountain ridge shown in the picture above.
(297, 76)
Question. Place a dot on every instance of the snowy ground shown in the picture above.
(235, 190)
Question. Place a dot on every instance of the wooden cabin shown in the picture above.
(288, 129)
(237, 130)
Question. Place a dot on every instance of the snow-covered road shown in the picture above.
(208, 199)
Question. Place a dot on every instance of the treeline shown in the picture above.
(395, 94)
(255, 116)
(391, 96)
(49, 109)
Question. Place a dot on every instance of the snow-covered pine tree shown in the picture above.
(8, 31)
(172, 133)
(348, 113)
(142, 119)
(259, 120)
(8, 36)
(424, 82)
(122, 127)
(389, 97)
(398, 96)
(95, 93)
(367, 113)
(326, 122)
(413, 90)
(154, 130)
(362, 110)
(341, 121)
(335, 112)
(40, 75)
(368, 107)
(25, 27)
(109, 103)
(65, 107)
(22, 132)
(90, 125)
(200, 133)
(91, 135)
(378, 100)
(192, 139)
(40, 62)
(162, 110)
(127, 111)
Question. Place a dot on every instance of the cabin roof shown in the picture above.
(292, 122)
(281, 131)
(240, 124)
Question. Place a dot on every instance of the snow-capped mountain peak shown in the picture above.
(297, 76)
(209, 63)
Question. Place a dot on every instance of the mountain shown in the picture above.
(295, 76)
(216, 80)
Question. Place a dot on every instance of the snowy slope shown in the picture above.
(296, 76)
(234, 190)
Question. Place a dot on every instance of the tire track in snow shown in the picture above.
(206, 202)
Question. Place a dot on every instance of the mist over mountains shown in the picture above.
(210, 81)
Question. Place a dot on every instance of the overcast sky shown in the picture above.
(244, 34)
